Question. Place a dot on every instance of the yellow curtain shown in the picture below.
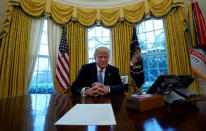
(121, 39)
(76, 36)
(14, 55)
(178, 46)
(64, 13)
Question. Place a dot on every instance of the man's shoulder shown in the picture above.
(89, 65)
(112, 67)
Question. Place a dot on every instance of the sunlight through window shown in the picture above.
(42, 78)
(97, 36)
(151, 38)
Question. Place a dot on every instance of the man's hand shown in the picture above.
(92, 91)
(102, 90)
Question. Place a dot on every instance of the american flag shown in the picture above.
(62, 69)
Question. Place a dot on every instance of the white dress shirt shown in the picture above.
(103, 75)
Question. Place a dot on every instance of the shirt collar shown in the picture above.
(98, 69)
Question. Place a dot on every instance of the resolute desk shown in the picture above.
(40, 112)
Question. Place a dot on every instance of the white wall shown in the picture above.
(202, 5)
(2, 5)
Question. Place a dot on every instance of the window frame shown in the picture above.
(35, 90)
(98, 45)
(155, 54)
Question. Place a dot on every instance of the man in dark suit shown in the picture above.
(98, 78)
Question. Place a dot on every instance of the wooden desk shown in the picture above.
(40, 112)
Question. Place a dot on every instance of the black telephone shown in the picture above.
(172, 87)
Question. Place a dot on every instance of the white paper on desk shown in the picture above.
(88, 114)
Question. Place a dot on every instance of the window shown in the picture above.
(97, 36)
(151, 38)
(41, 82)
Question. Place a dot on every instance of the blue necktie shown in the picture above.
(100, 79)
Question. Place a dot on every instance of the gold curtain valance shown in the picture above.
(64, 13)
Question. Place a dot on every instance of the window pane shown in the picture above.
(99, 40)
(106, 40)
(44, 39)
(42, 77)
(146, 62)
(158, 24)
(91, 60)
(149, 25)
(143, 48)
(150, 37)
(91, 53)
(153, 49)
(146, 75)
(92, 43)
(153, 74)
(106, 33)
(98, 31)
(33, 85)
(153, 62)
(36, 65)
(97, 36)
(43, 50)
(142, 38)
(161, 47)
(162, 61)
(141, 28)
(159, 35)
(91, 32)
(42, 82)
(50, 89)
(44, 66)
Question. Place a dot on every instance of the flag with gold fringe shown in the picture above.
(136, 63)
(62, 68)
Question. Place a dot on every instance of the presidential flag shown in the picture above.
(136, 63)
(62, 68)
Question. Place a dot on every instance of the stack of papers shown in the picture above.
(88, 114)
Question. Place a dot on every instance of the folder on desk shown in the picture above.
(88, 114)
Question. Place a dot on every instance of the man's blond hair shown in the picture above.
(101, 50)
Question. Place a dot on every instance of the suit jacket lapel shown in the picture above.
(94, 72)
(107, 75)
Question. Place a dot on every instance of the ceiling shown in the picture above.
(98, 3)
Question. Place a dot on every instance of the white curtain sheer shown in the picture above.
(54, 38)
(35, 39)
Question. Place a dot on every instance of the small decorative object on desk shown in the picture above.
(145, 102)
